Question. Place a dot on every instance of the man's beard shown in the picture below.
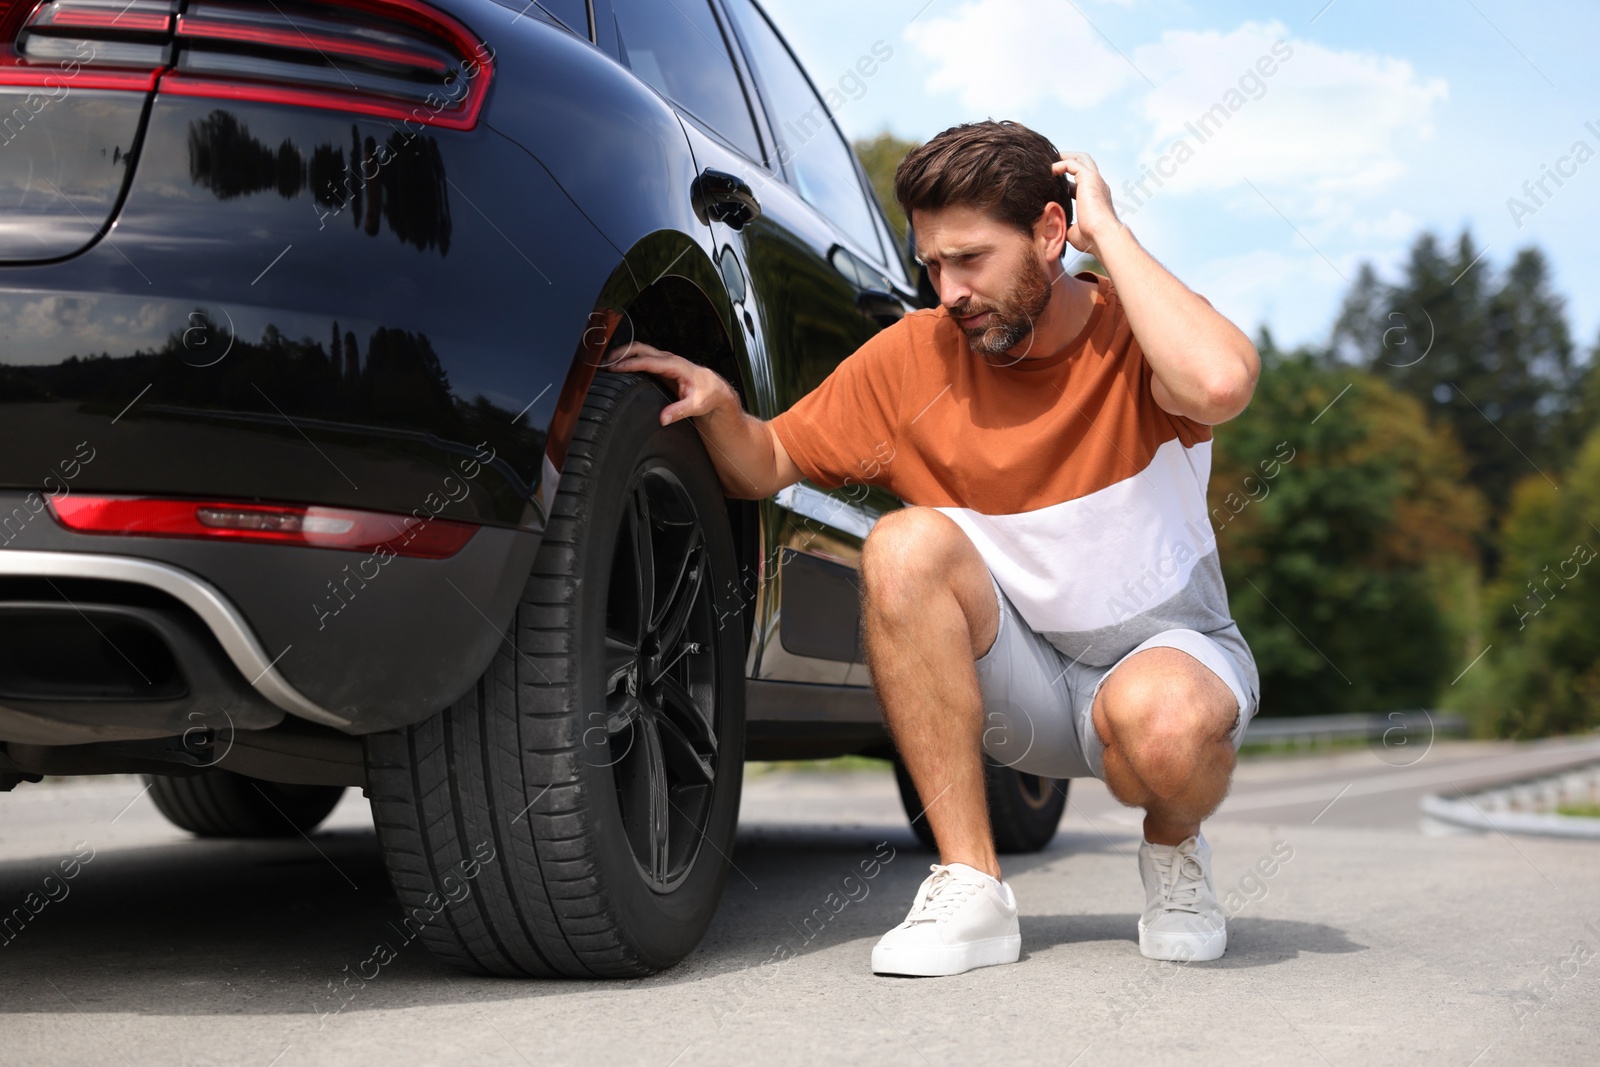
(1011, 319)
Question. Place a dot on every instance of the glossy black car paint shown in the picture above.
(318, 307)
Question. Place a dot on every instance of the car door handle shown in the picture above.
(723, 197)
(883, 308)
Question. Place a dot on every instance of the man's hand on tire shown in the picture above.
(749, 458)
(700, 390)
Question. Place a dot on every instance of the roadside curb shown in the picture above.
(1505, 808)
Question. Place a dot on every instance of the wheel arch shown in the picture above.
(668, 292)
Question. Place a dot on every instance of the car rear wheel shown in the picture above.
(1024, 809)
(574, 813)
(219, 803)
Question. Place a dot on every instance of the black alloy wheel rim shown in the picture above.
(660, 731)
(1035, 790)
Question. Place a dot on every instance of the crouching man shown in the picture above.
(1051, 592)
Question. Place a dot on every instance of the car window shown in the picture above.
(574, 13)
(893, 244)
(817, 157)
(678, 48)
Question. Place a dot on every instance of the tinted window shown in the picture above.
(822, 165)
(893, 245)
(677, 47)
(574, 13)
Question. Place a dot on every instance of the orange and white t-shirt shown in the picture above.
(1085, 498)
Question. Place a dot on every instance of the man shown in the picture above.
(1051, 592)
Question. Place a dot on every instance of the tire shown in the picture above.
(1024, 809)
(220, 803)
(526, 827)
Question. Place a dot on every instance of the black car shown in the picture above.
(310, 477)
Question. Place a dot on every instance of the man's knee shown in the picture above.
(1163, 718)
(908, 550)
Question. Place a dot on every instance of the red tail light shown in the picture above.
(397, 59)
(314, 527)
(86, 45)
(390, 58)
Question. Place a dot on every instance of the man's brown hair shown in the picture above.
(1002, 168)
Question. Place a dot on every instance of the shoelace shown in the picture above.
(941, 896)
(1181, 877)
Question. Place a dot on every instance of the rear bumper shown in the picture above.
(238, 642)
(329, 637)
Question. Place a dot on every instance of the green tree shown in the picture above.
(1584, 416)
(1541, 674)
(1351, 562)
(879, 157)
(1491, 356)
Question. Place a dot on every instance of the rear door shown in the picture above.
(823, 274)
(806, 281)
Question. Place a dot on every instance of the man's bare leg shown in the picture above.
(929, 613)
(1165, 719)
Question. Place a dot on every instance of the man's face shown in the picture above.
(989, 276)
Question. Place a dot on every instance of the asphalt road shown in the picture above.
(1373, 943)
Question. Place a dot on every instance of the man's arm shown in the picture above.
(1204, 366)
(750, 460)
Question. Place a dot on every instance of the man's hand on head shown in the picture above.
(700, 390)
(1094, 216)
(1203, 366)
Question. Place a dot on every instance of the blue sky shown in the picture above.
(1384, 119)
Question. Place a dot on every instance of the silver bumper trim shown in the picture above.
(200, 596)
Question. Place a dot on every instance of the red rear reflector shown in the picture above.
(313, 527)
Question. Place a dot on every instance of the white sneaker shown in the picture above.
(1182, 920)
(961, 919)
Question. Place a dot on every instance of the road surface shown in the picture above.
(1373, 943)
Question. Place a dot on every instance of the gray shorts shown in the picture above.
(1037, 699)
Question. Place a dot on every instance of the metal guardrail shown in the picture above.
(1417, 722)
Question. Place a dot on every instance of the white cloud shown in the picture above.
(1003, 56)
(150, 321)
(1295, 292)
(49, 315)
(34, 329)
(1359, 221)
(1324, 121)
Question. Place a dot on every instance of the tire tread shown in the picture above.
(539, 907)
